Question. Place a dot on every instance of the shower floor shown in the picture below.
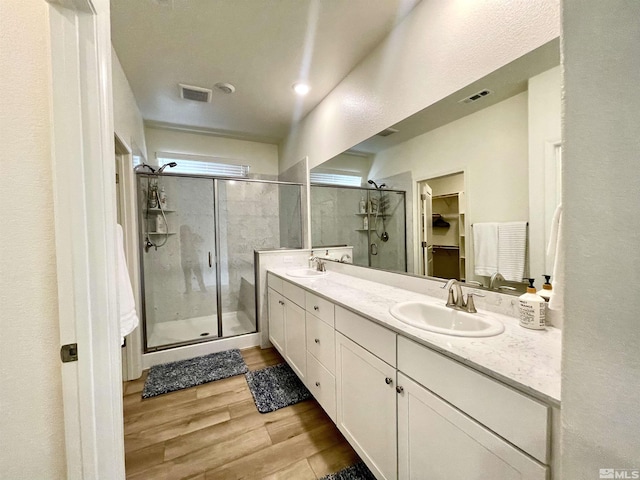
(176, 331)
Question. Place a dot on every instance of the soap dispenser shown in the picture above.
(547, 289)
(532, 309)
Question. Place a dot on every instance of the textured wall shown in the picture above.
(261, 157)
(31, 422)
(490, 146)
(601, 364)
(440, 47)
(127, 119)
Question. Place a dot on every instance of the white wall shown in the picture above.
(545, 91)
(440, 47)
(490, 146)
(601, 198)
(31, 423)
(127, 118)
(261, 157)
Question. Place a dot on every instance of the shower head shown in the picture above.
(371, 182)
(170, 164)
(144, 165)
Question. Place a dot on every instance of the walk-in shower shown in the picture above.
(371, 220)
(197, 252)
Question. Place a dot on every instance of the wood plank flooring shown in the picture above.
(214, 431)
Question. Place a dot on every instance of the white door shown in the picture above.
(295, 338)
(276, 320)
(366, 406)
(85, 218)
(426, 230)
(438, 442)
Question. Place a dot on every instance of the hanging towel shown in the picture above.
(512, 249)
(127, 306)
(554, 253)
(485, 240)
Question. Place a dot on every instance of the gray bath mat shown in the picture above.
(359, 471)
(276, 387)
(170, 377)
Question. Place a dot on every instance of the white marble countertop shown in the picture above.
(528, 360)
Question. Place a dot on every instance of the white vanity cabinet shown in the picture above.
(366, 391)
(276, 319)
(439, 442)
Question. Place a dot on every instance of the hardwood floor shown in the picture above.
(214, 431)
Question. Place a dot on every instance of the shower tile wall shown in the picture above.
(334, 220)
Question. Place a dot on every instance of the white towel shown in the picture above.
(485, 248)
(554, 253)
(127, 305)
(512, 249)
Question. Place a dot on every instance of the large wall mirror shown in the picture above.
(426, 195)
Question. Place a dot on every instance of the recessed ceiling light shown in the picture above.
(301, 88)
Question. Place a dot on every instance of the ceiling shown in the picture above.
(260, 46)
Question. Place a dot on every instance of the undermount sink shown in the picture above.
(445, 320)
(305, 273)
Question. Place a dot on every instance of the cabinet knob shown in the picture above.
(317, 384)
(280, 302)
(399, 389)
(388, 381)
(317, 340)
(316, 308)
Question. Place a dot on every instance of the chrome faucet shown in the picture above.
(495, 283)
(319, 264)
(456, 299)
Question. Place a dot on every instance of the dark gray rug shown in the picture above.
(359, 471)
(170, 377)
(276, 387)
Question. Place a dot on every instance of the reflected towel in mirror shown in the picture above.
(485, 241)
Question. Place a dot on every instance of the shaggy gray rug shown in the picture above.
(170, 377)
(276, 387)
(359, 471)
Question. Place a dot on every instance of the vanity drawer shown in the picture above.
(274, 282)
(293, 293)
(321, 308)
(322, 384)
(378, 340)
(321, 342)
(516, 417)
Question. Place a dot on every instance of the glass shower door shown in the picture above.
(179, 270)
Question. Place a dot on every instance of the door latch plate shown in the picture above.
(69, 353)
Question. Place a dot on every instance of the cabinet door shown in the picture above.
(366, 406)
(276, 320)
(295, 345)
(438, 442)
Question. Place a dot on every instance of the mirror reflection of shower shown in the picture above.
(156, 201)
(380, 212)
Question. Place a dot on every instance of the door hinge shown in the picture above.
(117, 178)
(69, 353)
(423, 196)
(424, 244)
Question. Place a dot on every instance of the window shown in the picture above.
(203, 165)
(334, 179)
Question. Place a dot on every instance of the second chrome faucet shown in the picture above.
(456, 298)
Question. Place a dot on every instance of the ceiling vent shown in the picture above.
(476, 96)
(387, 131)
(197, 94)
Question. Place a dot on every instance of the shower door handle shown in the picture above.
(210, 260)
(374, 249)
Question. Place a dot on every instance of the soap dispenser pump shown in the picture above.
(532, 308)
(547, 289)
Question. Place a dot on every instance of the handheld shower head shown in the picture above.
(170, 164)
(371, 182)
(144, 165)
